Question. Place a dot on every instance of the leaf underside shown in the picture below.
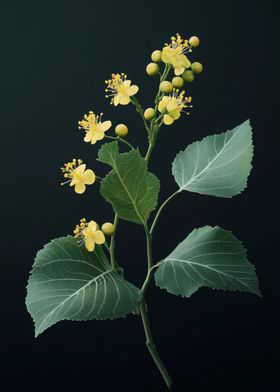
(69, 283)
(129, 187)
(218, 165)
(211, 257)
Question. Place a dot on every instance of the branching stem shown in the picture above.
(148, 278)
(140, 110)
(121, 140)
(160, 210)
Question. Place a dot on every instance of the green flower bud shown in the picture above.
(178, 82)
(149, 114)
(156, 56)
(194, 41)
(166, 87)
(197, 68)
(152, 69)
(108, 228)
(188, 76)
(121, 130)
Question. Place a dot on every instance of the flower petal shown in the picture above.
(88, 177)
(97, 136)
(116, 99)
(80, 169)
(132, 90)
(88, 136)
(99, 237)
(178, 71)
(171, 105)
(89, 244)
(80, 187)
(125, 99)
(176, 114)
(187, 63)
(166, 55)
(92, 226)
(162, 107)
(168, 120)
(105, 126)
(126, 84)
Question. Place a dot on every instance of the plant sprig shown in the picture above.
(74, 279)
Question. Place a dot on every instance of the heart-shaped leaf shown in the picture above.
(218, 165)
(209, 256)
(69, 283)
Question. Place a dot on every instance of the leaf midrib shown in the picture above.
(211, 268)
(213, 160)
(73, 294)
(131, 198)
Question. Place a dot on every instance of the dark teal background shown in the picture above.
(55, 58)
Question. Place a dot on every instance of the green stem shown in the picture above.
(140, 110)
(151, 346)
(154, 127)
(148, 278)
(153, 131)
(149, 247)
(149, 151)
(121, 140)
(113, 245)
(160, 210)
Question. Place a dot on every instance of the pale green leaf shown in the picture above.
(129, 187)
(69, 283)
(218, 165)
(209, 256)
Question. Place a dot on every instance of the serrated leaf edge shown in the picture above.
(218, 134)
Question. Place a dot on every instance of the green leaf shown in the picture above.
(218, 165)
(109, 153)
(129, 187)
(69, 283)
(209, 256)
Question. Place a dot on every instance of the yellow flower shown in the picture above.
(171, 106)
(94, 127)
(89, 234)
(120, 89)
(77, 175)
(174, 54)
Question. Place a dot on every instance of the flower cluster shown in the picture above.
(120, 89)
(89, 234)
(170, 102)
(77, 175)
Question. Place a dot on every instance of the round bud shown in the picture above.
(156, 56)
(178, 82)
(188, 76)
(197, 68)
(108, 228)
(121, 130)
(194, 41)
(166, 87)
(152, 69)
(149, 114)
